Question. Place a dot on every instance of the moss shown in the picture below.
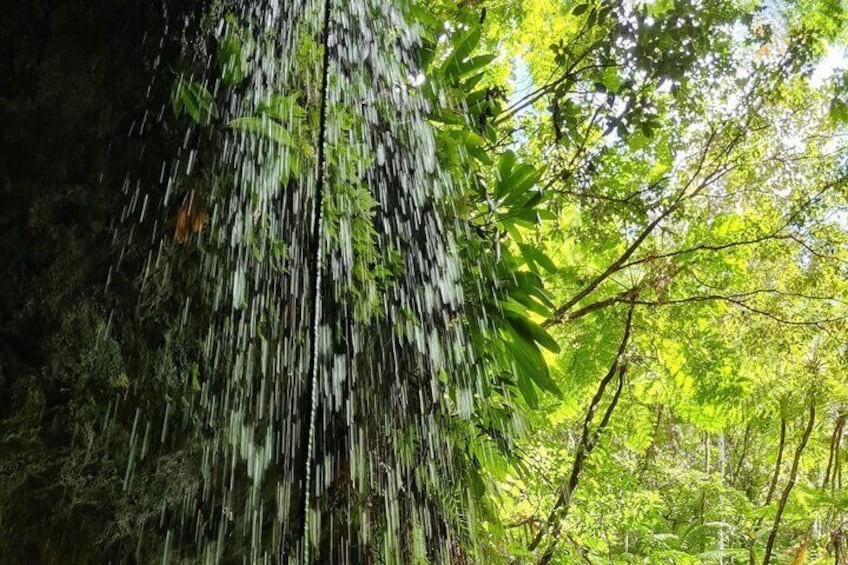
(74, 77)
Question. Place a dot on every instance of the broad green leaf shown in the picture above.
(193, 99)
(283, 108)
(264, 127)
(533, 331)
(465, 44)
(232, 58)
(534, 255)
(468, 66)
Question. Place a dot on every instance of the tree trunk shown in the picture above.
(793, 474)
(778, 463)
(837, 538)
(752, 556)
(833, 458)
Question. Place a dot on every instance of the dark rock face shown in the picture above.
(76, 79)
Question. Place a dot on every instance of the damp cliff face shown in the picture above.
(74, 77)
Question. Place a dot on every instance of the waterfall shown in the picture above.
(331, 286)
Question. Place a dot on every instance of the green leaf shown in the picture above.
(528, 391)
(462, 68)
(232, 59)
(475, 146)
(472, 82)
(531, 303)
(283, 108)
(264, 127)
(579, 10)
(533, 331)
(465, 44)
(425, 17)
(531, 361)
(534, 255)
(838, 111)
(527, 281)
(522, 179)
(193, 99)
(505, 165)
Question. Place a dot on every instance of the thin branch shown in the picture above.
(833, 455)
(746, 441)
(616, 265)
(570, 73)
(625, 201)
(781, 447)
(737, 299)
(775, 235)
(706, 247)
(785, 321)
(625, 296)
(579, 549)
(588, 441)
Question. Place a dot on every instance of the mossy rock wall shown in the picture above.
(76, 78)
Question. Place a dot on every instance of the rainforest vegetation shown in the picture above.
(424, 281)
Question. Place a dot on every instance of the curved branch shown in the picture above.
(706, 247)
(737, 299)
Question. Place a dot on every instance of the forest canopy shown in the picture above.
(424, 281)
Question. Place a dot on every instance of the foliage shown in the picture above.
(674, 186)
(648, 204)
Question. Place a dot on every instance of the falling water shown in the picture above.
(329, 288)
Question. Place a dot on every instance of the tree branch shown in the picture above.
(706, 247)
(737, 299)
(588, 441)
(627, 296)
(616, 265)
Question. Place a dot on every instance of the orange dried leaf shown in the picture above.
(191, 218)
